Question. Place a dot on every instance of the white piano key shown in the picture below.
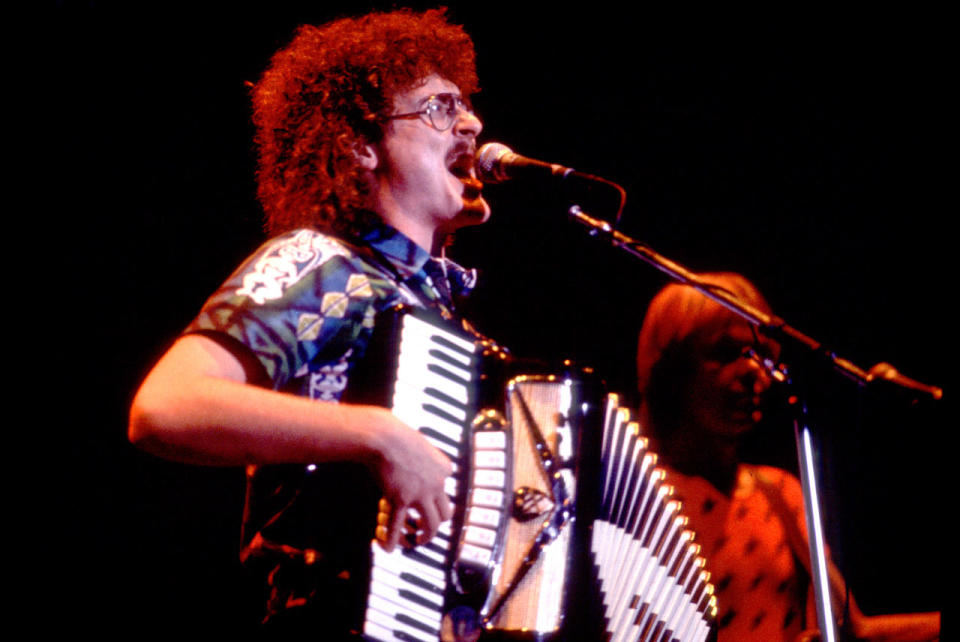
(381, 612)
(416, 326)
(422, 377)
(408, 408)
(451, 487)
(426, 551)
(418, 348)
(410, 396)
(427, 351)
(391, 594)
(381, 575)
(452, 451)
(374, 631)
(433, 349)
(396, 562)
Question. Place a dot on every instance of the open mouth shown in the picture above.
(461, 165)
(462, 168)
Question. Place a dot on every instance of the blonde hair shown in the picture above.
(665, 349)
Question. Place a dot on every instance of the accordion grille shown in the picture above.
(537, 409)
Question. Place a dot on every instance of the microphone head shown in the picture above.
(488, 162)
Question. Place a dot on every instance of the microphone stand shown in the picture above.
(777, 328)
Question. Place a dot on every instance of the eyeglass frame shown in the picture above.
(455, 104)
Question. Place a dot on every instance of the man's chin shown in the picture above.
(476, 211)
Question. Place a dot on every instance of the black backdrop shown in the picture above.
(799, 150)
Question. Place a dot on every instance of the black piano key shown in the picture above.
(435, 547)
(395, 596)
(426, 560)
(451, 346)
(422, 601)
(445, 398)
(446, 358)
(447, 374)
(417, 624)
(441, 413)
(416, 580)
(439, 436)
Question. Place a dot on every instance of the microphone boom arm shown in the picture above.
(768, 324)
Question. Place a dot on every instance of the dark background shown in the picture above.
(802, 151)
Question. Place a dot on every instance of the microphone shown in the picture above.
(888, 372)
(496, 163)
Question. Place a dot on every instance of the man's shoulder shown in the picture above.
(286, 260)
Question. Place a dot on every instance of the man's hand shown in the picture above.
(412, 474)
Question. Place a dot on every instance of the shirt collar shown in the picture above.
(409, 259)
(405, 256)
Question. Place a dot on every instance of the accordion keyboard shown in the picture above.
(433, 393)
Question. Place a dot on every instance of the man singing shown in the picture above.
(366, 140)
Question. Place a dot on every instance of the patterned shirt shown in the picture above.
(305, 303)
(753, 542)
(304, 307)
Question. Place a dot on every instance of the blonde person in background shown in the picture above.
(701, 393)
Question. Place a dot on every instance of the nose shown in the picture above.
(467, 123)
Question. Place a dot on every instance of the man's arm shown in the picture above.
(196, 406)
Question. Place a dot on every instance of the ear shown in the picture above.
(366, 154)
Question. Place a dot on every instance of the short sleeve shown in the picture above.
(303, 304)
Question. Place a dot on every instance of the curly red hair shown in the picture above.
(325, 94)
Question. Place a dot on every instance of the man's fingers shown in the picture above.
(429, 522)
(390, 524)
(445, 507)
(383, 523)
(413, 525)
(396, 527)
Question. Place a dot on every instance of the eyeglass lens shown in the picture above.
(442, 110)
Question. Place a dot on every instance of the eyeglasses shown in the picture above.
(441, 111)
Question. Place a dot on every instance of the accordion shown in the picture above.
(564, 527)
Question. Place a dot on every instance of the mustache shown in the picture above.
(463, 148)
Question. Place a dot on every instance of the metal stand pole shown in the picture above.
(815, 539)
